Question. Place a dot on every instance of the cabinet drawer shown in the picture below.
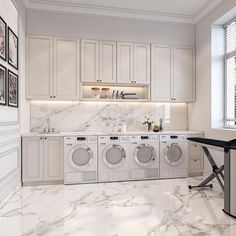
(195, 151)
(195, 164)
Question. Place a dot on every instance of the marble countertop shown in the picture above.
(96, 133)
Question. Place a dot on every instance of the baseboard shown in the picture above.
(195, 174)
(36, 183)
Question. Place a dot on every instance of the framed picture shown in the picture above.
(3, 39)
(12, 89)
(12, 49)
(3, 84)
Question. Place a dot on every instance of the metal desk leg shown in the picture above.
(216, 171)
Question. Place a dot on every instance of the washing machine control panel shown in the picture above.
(69, 141)
(113, 139)
(166, 138)
(145, 138)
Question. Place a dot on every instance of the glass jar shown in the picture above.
(105, 93)
(95, 92)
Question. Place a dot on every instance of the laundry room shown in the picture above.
(120, 114)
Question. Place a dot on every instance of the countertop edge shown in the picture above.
(64, 134)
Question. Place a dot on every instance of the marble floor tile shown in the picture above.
(142, 208)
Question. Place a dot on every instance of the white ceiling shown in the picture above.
(182, 11)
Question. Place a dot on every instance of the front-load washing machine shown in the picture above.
(173, 156)
(80, 159)
(113, 158)
(144, 157)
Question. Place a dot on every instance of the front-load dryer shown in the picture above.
(173, 156)
(113, 158)
(80, 159)
(144, 157)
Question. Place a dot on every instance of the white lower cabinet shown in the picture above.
(42, 159)
(195, 159)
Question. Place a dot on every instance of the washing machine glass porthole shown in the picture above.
(81, 157)
(114, 155)
(144, 155)
(174, 155)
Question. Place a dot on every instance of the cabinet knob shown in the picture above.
(41, 138)
(97, 80)
(54, 96)
(45, 138)
(50, 96)
(134, 81)
(100, 80)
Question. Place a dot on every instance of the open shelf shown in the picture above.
(99, 92)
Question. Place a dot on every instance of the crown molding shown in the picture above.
(206, 9)
(124, 13)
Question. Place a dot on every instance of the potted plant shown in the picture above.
(148, 120)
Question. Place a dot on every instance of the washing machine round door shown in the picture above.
(144, 155)
(114, 156)
(81, 157)
(173, 155)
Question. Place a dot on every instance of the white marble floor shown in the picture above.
(143, 208)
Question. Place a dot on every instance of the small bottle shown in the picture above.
(122, 94)
(117, 94)
(113, 95)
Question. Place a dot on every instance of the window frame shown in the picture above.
(226, 57)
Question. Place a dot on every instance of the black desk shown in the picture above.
(227, 180)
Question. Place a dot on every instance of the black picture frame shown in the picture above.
(12, 89)
(3, 56)
(3, 85)
(13, 48)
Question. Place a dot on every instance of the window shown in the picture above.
(230, 74)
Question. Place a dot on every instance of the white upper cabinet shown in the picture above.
(162, 65)
(39, 67)
(184, 74)
(52, 69)
(125, 57)
(172, 70)
(66, 69)
(90, 60)
(141, 63)
(107, 61)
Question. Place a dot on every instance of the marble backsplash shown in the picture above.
(100, 116)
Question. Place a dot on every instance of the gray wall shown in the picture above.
(67, 25)
(200, 111)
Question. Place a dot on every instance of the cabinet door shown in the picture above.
(53, 158)
(66, 69)
(39, 68)
(162, 66)
(89, 61)
(195, 158)
(32, 159)
(107, 61)
(125, 62)
(184, 74)
(141, 63)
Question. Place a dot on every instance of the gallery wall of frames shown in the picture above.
(8, 53)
